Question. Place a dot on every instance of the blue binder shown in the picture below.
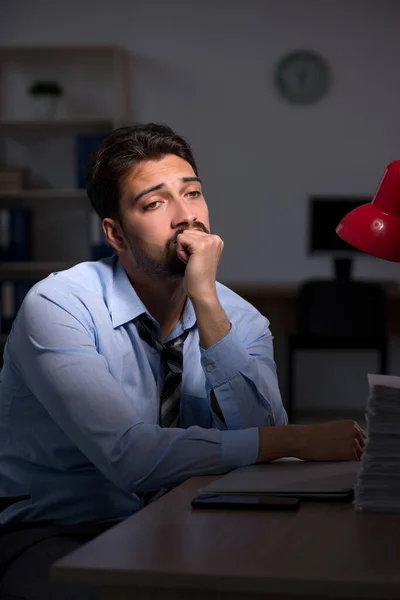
(85, 147)
(21, 234)
(15, 234)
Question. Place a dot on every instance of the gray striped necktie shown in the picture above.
(172, 363)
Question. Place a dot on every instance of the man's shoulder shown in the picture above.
(83, 278)
(87, 276)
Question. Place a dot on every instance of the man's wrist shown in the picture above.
(212, 322)
(277, 442)
(206, 299)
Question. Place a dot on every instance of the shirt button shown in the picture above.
(209, 368)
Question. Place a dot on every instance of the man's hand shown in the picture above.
(336, 440)
(202, 252)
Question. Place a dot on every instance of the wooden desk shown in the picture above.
(170, 551)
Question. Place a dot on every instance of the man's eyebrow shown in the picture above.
(155, 188)
(189, 179)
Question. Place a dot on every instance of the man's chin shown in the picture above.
(176, 269)
(169, 266)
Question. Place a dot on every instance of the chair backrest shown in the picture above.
(342, 308)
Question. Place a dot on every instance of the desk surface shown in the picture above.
(321, 548)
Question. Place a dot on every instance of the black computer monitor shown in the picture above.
(325, 214)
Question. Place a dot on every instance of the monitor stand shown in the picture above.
(342, 268)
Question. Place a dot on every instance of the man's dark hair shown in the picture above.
(121, 150)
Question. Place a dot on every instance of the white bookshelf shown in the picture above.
(96, 82)
(80, 70)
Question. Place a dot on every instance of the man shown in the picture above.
(127, 376)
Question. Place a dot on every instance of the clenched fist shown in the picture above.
(336, 440)
(202, 252)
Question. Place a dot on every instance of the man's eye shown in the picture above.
(194, 194)
(152, 205)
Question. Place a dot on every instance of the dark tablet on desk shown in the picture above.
(291, 478)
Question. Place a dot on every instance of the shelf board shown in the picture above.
(45, 194)
(70, 121)
(32, 270)
(18, 50)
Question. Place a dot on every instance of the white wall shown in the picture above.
(205, 68)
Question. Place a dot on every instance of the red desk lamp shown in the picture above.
(374, 228)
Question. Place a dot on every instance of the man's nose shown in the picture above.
(183, 214)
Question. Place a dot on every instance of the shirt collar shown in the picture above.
(125, 304)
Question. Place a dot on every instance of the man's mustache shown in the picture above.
(196, 225)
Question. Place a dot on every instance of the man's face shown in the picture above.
(161, 198)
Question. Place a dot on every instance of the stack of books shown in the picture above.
(15, 234)
(378, 486)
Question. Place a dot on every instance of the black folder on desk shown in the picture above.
(290, 477)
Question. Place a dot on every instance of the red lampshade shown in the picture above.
(375, 227)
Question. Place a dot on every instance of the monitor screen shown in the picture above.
(325, 214)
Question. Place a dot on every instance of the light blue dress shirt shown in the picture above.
(79, 399)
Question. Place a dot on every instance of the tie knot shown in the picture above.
(148, 332)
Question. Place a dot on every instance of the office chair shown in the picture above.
(334, 314)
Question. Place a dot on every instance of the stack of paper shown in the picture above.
(378, 486)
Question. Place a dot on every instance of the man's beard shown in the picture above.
(165, 263)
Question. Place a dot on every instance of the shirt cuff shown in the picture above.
(239, 448)
(223, 360)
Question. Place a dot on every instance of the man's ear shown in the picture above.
(114, 234)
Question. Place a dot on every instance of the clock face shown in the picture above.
(302, 77)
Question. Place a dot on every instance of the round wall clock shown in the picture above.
(302, 77)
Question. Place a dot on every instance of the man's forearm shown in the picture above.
(276, 442)
(212, 322)
(335, 440)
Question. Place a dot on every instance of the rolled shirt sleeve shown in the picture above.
(241, 371)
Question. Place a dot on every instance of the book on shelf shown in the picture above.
(99, 246)
(12, 179)
(15, 234)
(12, 294)
(85, 147)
